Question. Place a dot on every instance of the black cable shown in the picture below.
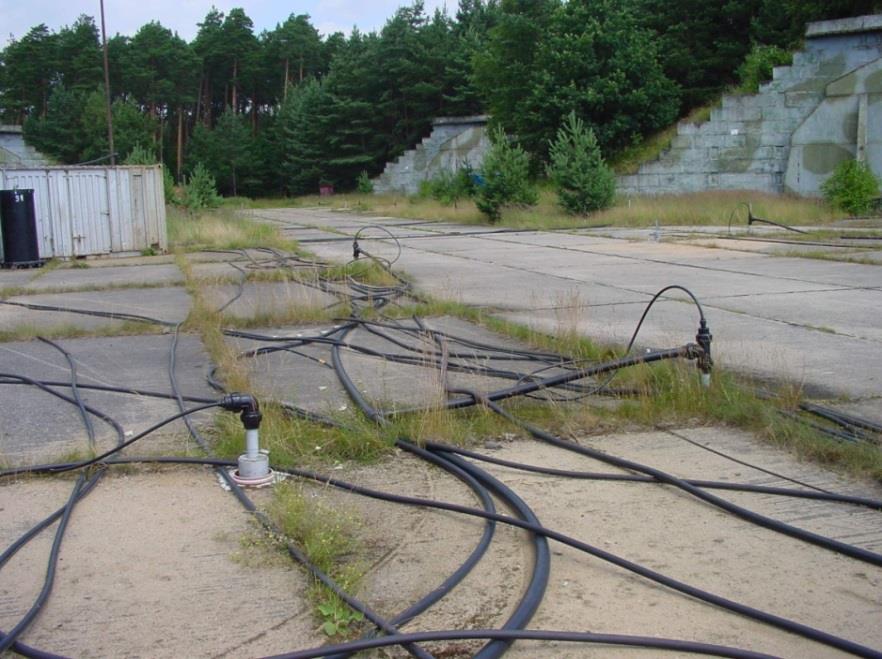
(535, 591)
(509, 636)
(739, 511)
(240, 289)
(819, 495)
(849, 421)
(10, 637)
(743, 463)
(71, 364)
(710, 598)
(85, 312)
(38, 528)
(111, 389)
(23, 379)
(456, 577)
(15, 471)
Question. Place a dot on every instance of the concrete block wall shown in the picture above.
(453, 142)
(15, 153)
(747, 142)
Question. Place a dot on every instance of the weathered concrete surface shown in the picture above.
(312, 383)
(662, 528)
(267, 299)
(147, 569)
(811, 321)
(34, 423)
(15, 278)
(170, 304)
(107, 276)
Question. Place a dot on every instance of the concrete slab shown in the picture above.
(116, 261)
(149, 567)
(271, 299)
(844, 312)
(304, 376)
(16, 278)
(225, 255)
(218, 270)
(171, 304)
(35, 423)
(824, 364)
(108, 276)
(604, 283)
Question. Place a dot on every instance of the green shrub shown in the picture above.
(140, 155)
(200, 190)
(168, 187)
(363, 183)
(449, 187)
(757, 66)
(506, 178)
(584, 183)
(852, 187)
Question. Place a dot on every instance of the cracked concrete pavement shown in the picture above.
(814, 322)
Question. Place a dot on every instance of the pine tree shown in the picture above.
(303, 129)
(584, 183)
(506, 178)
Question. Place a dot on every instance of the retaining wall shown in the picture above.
(792, 134)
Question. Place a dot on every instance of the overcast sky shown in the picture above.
(126, 16)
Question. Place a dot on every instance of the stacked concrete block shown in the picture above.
(15, 153)
(747, 142)
(453, 143)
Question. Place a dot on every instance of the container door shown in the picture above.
(89, 212)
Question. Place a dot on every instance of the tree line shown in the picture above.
(281, 111)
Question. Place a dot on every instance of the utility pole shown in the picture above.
(107, 90)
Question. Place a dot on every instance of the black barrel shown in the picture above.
(18, 223)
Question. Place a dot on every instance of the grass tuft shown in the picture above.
(712, 208)
(328, 537)
(221, 229)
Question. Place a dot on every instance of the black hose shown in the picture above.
(456, 577)
(38, 528)
(71, 364)
(112, 315)
(535, 591)
(717, 600)
(10, 637)
(23, 379)
(508, 636)
(111, 389)
(821, 495)
(15, 471)
(748, 515)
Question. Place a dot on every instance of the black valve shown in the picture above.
(247, 405)
(703, 339)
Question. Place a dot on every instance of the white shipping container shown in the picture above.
(87, 211)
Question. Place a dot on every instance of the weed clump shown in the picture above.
(363, 184)
(450, 187)
(200, 190)
(327, 537)
(758, 65)
(852, 187)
